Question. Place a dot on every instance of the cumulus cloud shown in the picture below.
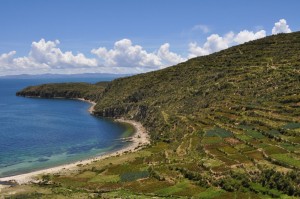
(124, 57)
(45, 55)
(6, 59)
(281, 27)
(167, 57)
(215, 42)
(245, 36)
(125, 54)
(8, 62)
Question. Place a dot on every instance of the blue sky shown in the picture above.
(103, 35)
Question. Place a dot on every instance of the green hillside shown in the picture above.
(222, 126)
(263, 74)
(66, 90)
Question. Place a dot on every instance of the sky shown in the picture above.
(130, 36)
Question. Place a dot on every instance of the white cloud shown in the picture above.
(196, 50)
(168, 58)
(8, 62)
(6, 59)
(125, 54)
(203, 28)
(44, 55)
(245, 36)
(125, 57)
(281, 27)
(215, 43)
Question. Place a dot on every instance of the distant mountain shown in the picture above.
(49, 75)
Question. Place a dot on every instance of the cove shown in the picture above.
(37, 134)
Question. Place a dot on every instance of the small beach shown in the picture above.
(93, 104)
(138, 139)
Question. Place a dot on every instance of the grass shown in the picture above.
(254, 134)
(210, 193)
(213, 163)
(243, 137)
(228, 150)
(174, 189)
(87, 174)
(105, 179)
(244, 148)
(274, 150)
(227, 160)
(290, 147)
(132, 176)
(292, 126)
(211, 140)
(239, 158)
(218, 132)
(256, 155)
(287, 159)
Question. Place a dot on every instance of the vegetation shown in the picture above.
(66, 90)
(224, 125)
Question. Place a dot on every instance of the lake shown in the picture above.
(41, 133)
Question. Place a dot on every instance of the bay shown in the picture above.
(41, 133)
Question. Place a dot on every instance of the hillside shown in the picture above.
(221, 125)
(262, 73)
(66, 90)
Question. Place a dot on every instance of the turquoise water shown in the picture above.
(41, 133)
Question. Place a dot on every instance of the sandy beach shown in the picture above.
(139, 139)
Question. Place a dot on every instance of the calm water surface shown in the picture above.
(41, 133)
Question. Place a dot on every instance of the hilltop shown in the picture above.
(220, 124)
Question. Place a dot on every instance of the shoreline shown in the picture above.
(91, 108)
(139, 139)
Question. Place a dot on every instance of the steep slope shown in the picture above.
(262, 74)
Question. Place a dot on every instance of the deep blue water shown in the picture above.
(41, 133)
